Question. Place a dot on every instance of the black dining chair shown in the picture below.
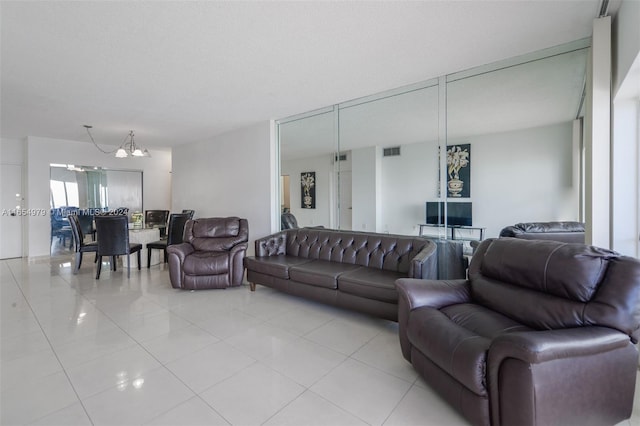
(113, 240)
(86, 224)
(79, 245)
(60, 228)
(177, 221)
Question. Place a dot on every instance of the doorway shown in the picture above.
(12, 211)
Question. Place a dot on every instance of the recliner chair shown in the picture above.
(542, 333)
(211, 254)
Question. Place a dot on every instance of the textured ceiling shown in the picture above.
(179, 72)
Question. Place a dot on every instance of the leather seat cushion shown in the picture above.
(457, 338)
(371, 283)
(276, 266)
(206, 263)
(320, 273)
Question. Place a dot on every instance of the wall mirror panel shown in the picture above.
(87, 190)
(518, 120)
(517, 123)
(391, 164)
(307, 151)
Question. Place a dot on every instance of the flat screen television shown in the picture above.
(458, 214)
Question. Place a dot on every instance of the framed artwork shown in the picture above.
(308, 186)
(459, 171)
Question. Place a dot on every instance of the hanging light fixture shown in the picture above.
(128, 147)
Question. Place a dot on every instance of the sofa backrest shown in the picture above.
(216, 233)
(382, 251)
(553, 285)
(568, 232)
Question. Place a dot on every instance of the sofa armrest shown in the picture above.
(535, 347)
(425, 264)
(181, 250)
(433, 293)
(414, 293)
(561, 376)
(271, 245)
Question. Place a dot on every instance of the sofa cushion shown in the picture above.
(320, 273)
(206, 263)
(371, 283)
(276, 266)
(457, 338)
(570, 271)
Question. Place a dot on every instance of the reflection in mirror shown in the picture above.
(519, 119)
(525, 150)
(391, 164)
(306, 150)
(86, 191)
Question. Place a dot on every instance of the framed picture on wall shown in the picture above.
(308, 190)
(459, 171)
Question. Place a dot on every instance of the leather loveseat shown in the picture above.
(568, 232)
(210, 255)
(542, 333)
(354, 270)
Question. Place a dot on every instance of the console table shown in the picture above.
(451, 230)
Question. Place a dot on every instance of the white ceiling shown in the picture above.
(179, 72)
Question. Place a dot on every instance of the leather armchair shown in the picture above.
(542, 333)
(211, 254)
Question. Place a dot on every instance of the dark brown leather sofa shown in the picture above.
(568, 232)
(542, 333)
(210, 255)
(353, 270)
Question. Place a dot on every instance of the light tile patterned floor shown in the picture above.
(118, 351)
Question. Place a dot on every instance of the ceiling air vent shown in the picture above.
(390, 152)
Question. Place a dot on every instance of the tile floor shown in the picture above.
(118, 351)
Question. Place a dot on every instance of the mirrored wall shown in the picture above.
(479, 150)
(86, 191)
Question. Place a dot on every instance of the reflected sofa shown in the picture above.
(349, 269)
(210, 255)
(568, 232)
(542, 333)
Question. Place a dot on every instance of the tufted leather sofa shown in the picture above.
(354, 270)
(542, 333)
(211, 254)
(568, 232)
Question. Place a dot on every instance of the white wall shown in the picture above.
(523, 176)
(408, 182)
(43, 151)
(230, 175)
(365, 179)
(519, 176)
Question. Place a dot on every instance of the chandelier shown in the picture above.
(127, 148)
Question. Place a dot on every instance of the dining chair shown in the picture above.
(79, 245)
(60, 229)
(175, 233)
(113, 240)
(86, 224)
